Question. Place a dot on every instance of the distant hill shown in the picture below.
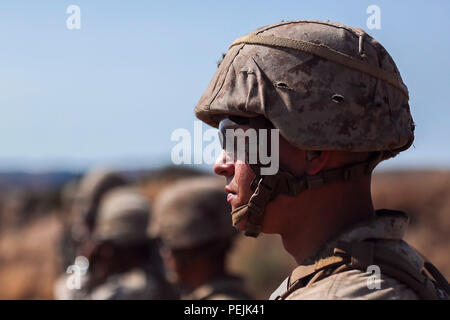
(56, 179)
(31, 181)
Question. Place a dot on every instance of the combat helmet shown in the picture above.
(192, 212)
(325, 86)
(93, 186)
(123, 217)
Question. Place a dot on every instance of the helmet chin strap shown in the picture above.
(267, 187)
(254, 210)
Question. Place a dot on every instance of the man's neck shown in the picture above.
(321, 215)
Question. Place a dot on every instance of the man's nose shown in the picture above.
(223, 166)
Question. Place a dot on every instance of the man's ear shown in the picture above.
(314, 164)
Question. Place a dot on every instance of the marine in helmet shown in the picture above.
(192, 221)
(124, 264)
(338, 102)
(80, 203)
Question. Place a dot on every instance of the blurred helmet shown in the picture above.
(93, 186)
(325, 86)
(192, 212)
(123, 217)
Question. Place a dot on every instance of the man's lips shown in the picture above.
(230, 197)
(231, 194)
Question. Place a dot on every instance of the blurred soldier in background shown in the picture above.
(80, 203)
(192, 221)
(341, 107)
(123, 262)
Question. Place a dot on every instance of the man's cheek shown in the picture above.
(244, 177)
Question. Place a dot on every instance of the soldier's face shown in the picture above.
(238, 174)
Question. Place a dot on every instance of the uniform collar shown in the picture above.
(386, 225)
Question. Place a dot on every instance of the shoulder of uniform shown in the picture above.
(135, 279)
(62, 288)
(229, 296)
(130, 285)
(377, 269)
(354, 284)
(226, 288)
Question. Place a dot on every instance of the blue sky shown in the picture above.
(113, 92)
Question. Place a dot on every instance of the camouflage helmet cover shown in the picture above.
(92, 187)
(326, 86)
(192, 212)
(123, 217)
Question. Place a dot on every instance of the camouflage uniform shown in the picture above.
(388, 227)
(62, 291)
(224, 288)
(193, 213)
(123, 219)
(326, 87)
(136, 284)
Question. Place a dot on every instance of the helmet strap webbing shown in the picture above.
(267, 187)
